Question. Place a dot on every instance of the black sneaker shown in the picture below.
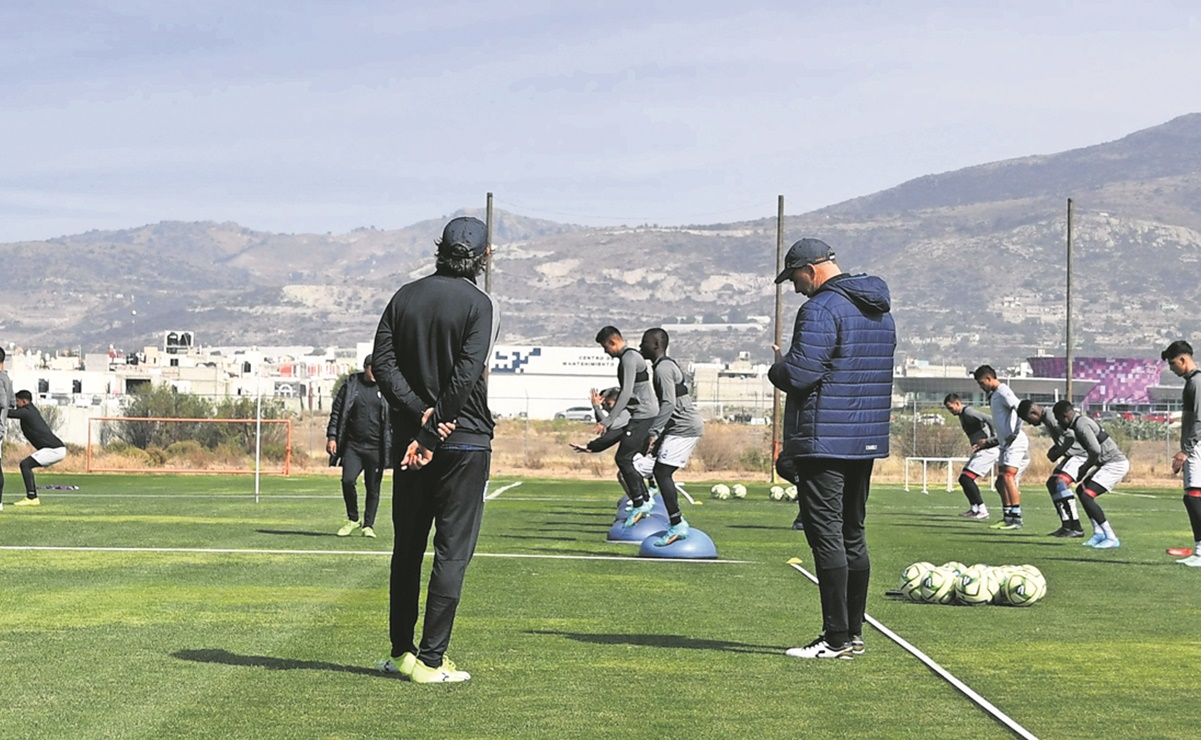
(1061, 532)
(857, 645)
(1075, 533)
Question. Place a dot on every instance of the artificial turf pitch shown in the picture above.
(153, 643)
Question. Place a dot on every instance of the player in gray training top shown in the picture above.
(6, 400)
(1179, 356)
(1067, 471)
(674, 433)
(638, 396)
(1015, 448)
(1101, 471)
(977, 425)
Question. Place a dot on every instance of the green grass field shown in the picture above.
(280, 640)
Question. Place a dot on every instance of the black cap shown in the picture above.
(465, 231)
(367, 361)
(804, 252)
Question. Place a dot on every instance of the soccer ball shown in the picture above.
(938, 587)
(911, 580)
(976, 586)
(1002, 572)
(776, 493)
(1023, 589)
(720, 491)
(790, 493)
(956, 566)
(738, 490)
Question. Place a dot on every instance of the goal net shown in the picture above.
(146, 444)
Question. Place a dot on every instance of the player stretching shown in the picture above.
(1067, 470)
(48, 448)
(1179, 356)
(1015, 448)
(1111, 466)
(638, 397)
(675, 432)
(6, 400)
(977, 425)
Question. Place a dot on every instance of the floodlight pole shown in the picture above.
(1068, 307)
(777, 418)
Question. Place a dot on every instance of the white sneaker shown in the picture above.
(1193, 561)
(819, 648)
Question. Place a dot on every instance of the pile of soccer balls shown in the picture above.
(779, 493)
(976, 585)
(722, 492)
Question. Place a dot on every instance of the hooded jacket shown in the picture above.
(838, 372)
(342, 411)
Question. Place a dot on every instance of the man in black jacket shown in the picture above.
(359, 438)
(48, 448)
(431, 354)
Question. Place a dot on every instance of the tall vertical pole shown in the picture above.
(488, 264)
(777, 417)
(1068, 308)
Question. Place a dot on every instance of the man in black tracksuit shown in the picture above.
(431, 353)
(359, 438)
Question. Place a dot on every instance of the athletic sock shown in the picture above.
(1107, 528)
(1017, 512)
(1192, 504)
(1073, 514)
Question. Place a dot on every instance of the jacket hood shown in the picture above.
(866, 291)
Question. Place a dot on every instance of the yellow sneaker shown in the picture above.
(447, 673)
(369, 532)
(347, 528)
(28, 502)
(402, 665)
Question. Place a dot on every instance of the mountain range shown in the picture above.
(975, 259)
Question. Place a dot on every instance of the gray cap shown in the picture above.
(804, 252)
(468, 232)
(367, 361)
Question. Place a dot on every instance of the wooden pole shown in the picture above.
(777, 416)
(488, 264)
(1068, 308)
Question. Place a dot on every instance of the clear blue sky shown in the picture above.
(320, 116)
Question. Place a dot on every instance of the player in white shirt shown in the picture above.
(1015, 447)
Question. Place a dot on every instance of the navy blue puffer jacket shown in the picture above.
(838, 371)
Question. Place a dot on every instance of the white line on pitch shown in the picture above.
(501, 490)
(963, 688)
(232, 551)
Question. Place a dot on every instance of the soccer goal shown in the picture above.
(125, 444)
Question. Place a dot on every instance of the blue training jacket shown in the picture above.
(838, 371)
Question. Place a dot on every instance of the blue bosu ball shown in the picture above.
(656, 522)
(698, 546)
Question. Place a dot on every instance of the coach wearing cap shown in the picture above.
(359, 438)
(837, 375)
(431, 353)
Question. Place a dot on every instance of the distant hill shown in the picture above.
(974, 258)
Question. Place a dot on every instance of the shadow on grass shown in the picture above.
(296, 532)
(535, 537)
(577, 512)
(662, 641)
(1107, 561)
(272, 664)
(580, 526)
(569, 551)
